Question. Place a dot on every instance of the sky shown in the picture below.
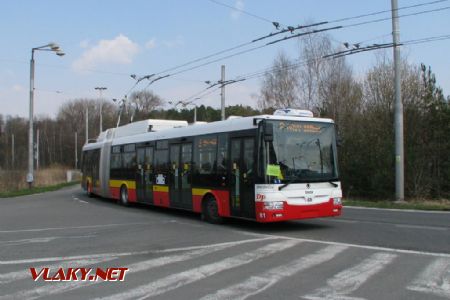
(106, 41)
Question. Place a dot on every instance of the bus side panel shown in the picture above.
(132, 195)
(105, 157)
(223, 202)
(197, 196)
(161, 195)
(114, 192)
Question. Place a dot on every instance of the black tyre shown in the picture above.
(124, 196)
(210, 211)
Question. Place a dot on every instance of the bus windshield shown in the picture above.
(299, 152)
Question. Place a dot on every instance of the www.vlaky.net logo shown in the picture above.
(79, 274)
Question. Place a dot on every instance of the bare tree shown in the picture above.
(140, 104)
(280, 86)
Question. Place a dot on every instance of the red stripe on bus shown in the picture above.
(115, 192)
(290, 212)
(197, 203)
(132, 195)
(223, 202)
(161, 199)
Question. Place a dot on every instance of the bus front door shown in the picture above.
(144, 175)
(180, 174)
(242, 178)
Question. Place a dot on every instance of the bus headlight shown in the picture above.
(274, 205)
(337, 201)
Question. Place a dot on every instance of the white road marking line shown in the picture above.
(18, 275)
(421, 227)
(397, 209)
(367, 247)
(258, 283)
(435, 279)
(340, 221)
(105, 255)
(73, 227)
(42, 240)
(349, 280)
(48, 290)
(175, 281)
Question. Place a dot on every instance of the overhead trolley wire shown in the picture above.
(291, 29)
(242, 11)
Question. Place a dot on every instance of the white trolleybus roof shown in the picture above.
(150, 130)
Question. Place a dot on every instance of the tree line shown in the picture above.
(362, 107)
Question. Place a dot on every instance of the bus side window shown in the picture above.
(207, 154)
(222, 154)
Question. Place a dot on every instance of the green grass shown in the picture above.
(36, 190)
(418, 205)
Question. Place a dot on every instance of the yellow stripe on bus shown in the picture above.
(200, 192)
(131, 184)
(161, 188)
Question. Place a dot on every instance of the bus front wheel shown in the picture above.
(124, 195)
(210, 212)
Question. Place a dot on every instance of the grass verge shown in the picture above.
(37, 190)
(443, 205)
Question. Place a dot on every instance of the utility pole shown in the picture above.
(87, 124)
(195, 113)
(398, 115)
(76, 150)
(222, 93)
(100, 90)
(12, 151)
(37, 149)
(49, 47)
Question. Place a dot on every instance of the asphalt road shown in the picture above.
(364, 254)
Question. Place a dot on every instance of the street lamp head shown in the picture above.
(54, 46)
(60, 53)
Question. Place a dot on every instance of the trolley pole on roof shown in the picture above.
(398, 115)
(222, 93)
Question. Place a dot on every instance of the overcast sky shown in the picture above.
(106, 41)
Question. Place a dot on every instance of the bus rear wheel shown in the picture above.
(124, 196)
(210, 211)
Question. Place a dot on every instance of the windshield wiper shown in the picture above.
(333, 183)
(285, 185)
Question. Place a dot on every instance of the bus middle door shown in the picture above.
(180, 175)
(144, 175)
(242, 177)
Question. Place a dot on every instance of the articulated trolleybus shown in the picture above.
(265, 168)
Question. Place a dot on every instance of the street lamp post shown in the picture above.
(49, 47)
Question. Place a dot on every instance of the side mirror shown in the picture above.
(268, 132)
